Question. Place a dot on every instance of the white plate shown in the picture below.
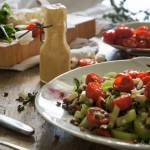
(136, 51)
(49, 95)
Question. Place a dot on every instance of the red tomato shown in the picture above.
(119, 42)
(86, 62)
(142, 44)
(130, 42)
(103, 132)
(97, 116)
(143, 35)
(144, 28)
(123, 83)
(146, 79)
(35, 32)
(143, 74)
(147, 90)
(94, 90)
(123, 32)
(93, 77)
(123, 102)
(132, 73)
(109, 36)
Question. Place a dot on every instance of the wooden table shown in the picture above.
(47, 136)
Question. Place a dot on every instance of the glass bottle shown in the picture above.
(54, 52)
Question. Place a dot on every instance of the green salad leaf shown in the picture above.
(5, 13)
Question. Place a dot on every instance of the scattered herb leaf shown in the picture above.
(77, 83)
(30, 99)
(5, 94)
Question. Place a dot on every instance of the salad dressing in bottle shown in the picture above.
(54, 52)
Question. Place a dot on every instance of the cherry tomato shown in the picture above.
(94, 90)
(143, 74)
(97, 116)
(130, 42)
(103, 132)
(123, 83)
(123, 102)
(142, 44)
(86, 62)
(119, 41)
(147, 90)
(143, 35)
(132, 73)
(93, 77)
(146, 79)
(123, 32)
(35, 32)
(144, 28)
(109, 36)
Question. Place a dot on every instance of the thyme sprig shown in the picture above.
(122, 14)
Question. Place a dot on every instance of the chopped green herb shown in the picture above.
(77, 83)
(20, 108)
(29, 99)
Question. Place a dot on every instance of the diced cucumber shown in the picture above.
(113, 116)
(83, 79)
(108, 103)
(111, 74)
(140, 128)
(124, 135)
(107, 84)
(84, 109)
(129, 117)
(89, 102)
(78, 116)
(86, 124)
(82, 97)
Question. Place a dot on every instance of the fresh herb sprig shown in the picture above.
(122, 14)
(26, 99)
(7, 32)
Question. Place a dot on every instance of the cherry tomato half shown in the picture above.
(143, 35)
(97, 116)
(130, 42)
(132, 73)
(123, 102)
(142, 44)
(123, 83)
(123, 32)
(143, 74)
(35, 32)
(146, 79)
(109, 36)
(144, 28)
(147, 90)
(86, 62)
(93, 77)
(94, 90)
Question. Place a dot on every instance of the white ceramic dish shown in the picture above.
(49, 95)
(136, 51)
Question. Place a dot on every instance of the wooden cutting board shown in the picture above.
(14, 53)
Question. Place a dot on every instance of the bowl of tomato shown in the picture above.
(132, 37)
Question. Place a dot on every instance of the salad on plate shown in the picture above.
(114, 105)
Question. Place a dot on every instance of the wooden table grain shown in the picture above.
(47, 136)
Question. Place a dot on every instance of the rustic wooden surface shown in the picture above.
(47, 136)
